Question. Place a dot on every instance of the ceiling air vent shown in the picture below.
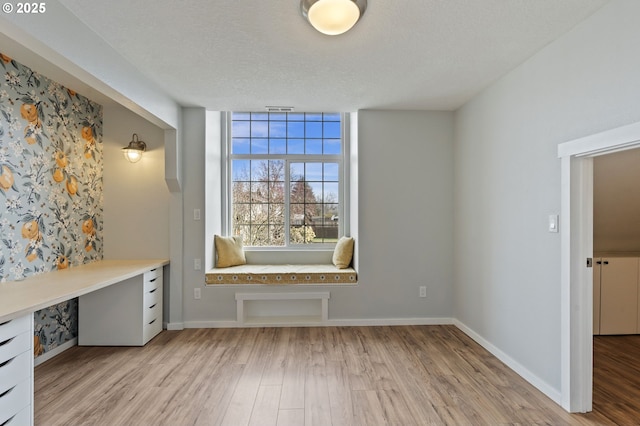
(279, 109)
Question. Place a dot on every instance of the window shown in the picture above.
(285, 178)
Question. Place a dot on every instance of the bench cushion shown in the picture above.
(281, 274)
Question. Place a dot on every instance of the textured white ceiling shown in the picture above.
(243, 55)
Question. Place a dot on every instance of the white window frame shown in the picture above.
(344, 178)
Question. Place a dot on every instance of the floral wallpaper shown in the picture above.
(50, 187)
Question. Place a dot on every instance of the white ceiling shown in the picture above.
(243, 55)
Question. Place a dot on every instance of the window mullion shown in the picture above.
(315, 142)
(287, 199)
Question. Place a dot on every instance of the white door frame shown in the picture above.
(576, 224)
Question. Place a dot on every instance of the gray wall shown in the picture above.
(136, 198)
(507, 180)
(405, 215)
(403, 222)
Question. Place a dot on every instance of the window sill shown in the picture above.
(282, 275)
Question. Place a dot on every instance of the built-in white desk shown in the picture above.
(132, 288)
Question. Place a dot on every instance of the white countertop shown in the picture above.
(18, 298)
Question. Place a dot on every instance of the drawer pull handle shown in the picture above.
(6, 341)
(4, 323)
(153, 290)
(153, 306)
(154, 320)
(7, 362)
(152, 280)
(154, 269)
(3, 394)
(8, 420)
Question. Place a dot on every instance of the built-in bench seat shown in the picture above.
(281, 275)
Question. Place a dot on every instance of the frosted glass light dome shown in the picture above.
(333, 17)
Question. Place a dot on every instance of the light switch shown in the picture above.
(553, 223)
(196, 214)
(197, 264)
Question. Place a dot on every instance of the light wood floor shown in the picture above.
(409, 375)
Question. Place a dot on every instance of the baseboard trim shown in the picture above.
(329, 323)
(55, 351)
(389, 321)
(175, 326)
(523, 372)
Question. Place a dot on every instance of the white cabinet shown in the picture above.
(16, 371)
(128, 313)
(615, 298)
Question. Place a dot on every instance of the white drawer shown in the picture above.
(153, 283)
(153, 273)
(151, 329)
(15, 370)
(14, 400)
(14, 327)
(152, 297)
(21, 419)
(14, 346)
(152, 312)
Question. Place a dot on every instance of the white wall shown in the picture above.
(136, 198)
(405, 236)
(507, 181)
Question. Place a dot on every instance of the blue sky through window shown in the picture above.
(286, 133)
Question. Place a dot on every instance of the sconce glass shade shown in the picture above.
(133, 151)
(333, 17)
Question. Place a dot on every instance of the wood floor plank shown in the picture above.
(414, 381)
(367, 409)
(293, 380)
(395, 407)
(616, 378)
(218, 396)
(339, 393)
(415, 375)
(246, 390)
(265, 409)
(317, 405)
(274, 369)
(361, 375)
(291, 417)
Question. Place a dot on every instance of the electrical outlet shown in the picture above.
(197, 264)
(196, 214)
(423, 291)
(196, 293)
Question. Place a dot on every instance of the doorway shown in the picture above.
(576, 226)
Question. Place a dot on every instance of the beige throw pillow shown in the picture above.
(343, 253)
(229, 251)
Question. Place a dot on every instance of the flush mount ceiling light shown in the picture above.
(133, 151)
(333, 17)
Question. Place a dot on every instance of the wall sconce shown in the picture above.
(133, 151)
(333, 17)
